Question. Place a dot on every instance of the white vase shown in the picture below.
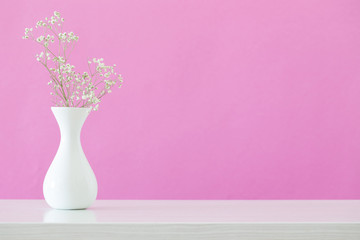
(70, 182)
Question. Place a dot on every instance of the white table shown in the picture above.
(188, 219)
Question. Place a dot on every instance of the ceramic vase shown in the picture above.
(70, 182)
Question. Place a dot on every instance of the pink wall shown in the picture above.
(222, 99)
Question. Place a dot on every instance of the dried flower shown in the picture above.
(70, 88)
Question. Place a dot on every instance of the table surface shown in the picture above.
(186, 211)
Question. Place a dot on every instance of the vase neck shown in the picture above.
(70, 121)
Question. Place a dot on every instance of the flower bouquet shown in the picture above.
(70, 88)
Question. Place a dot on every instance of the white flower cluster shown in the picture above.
(43, 57)
(103, 79)
(68, 37)
(56, 19)
(45, 40)
(70, 88)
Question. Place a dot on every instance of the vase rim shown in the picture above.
(72, 107)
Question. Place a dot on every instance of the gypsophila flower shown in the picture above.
(71, 88)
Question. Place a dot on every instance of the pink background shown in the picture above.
(222, 99)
